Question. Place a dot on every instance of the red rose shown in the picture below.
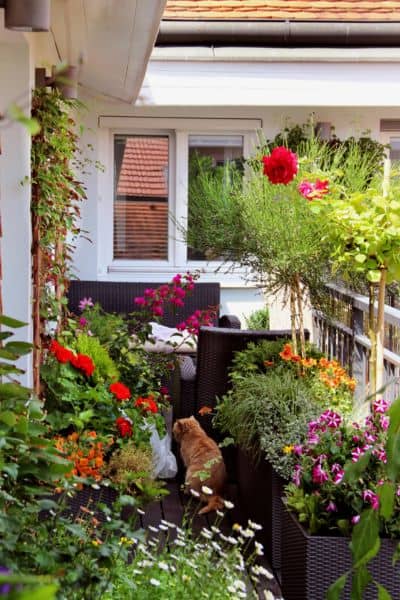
(124, 427)
(147, 404)
(120, 391)
(83, 363)
(281, 165)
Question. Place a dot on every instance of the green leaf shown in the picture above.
(8, 417)
(365, 541)
(13, 323)
(19, 348)
(374, 276)
(354, 470)
(10, 391)
(11, 469)
(360, 258)
(393, 442)
(335, 590)
(383, 594)
(47, 592)
(17, 114)
(361, 578)
(386, 500)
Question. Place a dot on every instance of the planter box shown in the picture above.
(260, 492)
(311, 563)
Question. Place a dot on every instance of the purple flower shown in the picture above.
(371, 498)
(380, 454)
(370, 437)
(85, 303)
(331, 507)
(384, 421)
(5, 588)
(149, 292)
(357, 453)
(380, 406)
(313, 426)
(337, 472)
(83, 321)
(355, 519)
(319, 475)
(312, 439)
(330, 418)
(298, 450)
(398, 491)
(297, 475)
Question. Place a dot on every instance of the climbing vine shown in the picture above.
(55, 210)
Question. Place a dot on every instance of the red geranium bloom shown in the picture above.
(124, 427)
(83, 363)
(120, 391)
(281, 165)
(147, 404)
(63, 355)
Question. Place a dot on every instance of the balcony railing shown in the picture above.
(344, 337)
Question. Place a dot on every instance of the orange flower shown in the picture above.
(269, 363)
(205, 410)
(286, 353)
(308, 362)
(296, 358)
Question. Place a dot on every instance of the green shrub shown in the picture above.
(258, 319)
(267, 413)
(106, 369)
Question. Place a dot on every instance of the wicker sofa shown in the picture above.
(118, 297)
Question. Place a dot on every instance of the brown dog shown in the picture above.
(203, 461)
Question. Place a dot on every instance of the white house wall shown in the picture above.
(14, 197)
(180, 96)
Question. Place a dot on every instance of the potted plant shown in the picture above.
(274, 395)
(340, 473)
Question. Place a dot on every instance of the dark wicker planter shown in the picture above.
(311, 563)
(260, 492)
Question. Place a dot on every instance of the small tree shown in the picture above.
(365, 231)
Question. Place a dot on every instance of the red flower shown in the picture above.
(124, 427)
(281, 165)
(63, 355)
(120, 391)
(83, 363)
(147, 404)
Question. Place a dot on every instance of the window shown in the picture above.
(210, 153)
(141, 197)
(394, 152)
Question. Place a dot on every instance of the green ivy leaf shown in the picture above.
(383, 594)
(361, 578)
(393, 442)
(386, 500)
(365, 541)
(335, 590)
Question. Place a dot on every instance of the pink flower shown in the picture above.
(355, 519)
(380, 406)
(319, 475)
(140, 301)
(312, 439)
(281, 165)
(331, 507)
(384, 422)
(337, 472)
(380, 454)
(177, 278)
(370, 437)
(149, 292)
(181, 326)
(83, 321)
(157, 310)
(297, 475)
(85, 303)
(371, 498)
(298, 450)
(357, 453)
(313, 191)
(333, 419)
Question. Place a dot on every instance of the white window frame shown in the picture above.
(178, 131)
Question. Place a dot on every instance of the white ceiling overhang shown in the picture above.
(111, 40)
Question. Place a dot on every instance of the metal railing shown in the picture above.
(344, 337)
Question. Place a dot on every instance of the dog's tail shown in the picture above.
(214, 503)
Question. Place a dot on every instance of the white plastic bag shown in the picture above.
(164, 461)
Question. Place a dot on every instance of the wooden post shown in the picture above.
(300, 317)
(36, 292)
(293, 317)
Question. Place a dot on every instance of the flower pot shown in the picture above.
(311, 563)
(260, 492)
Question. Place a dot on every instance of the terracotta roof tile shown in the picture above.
(308, 10)
(144, 168)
